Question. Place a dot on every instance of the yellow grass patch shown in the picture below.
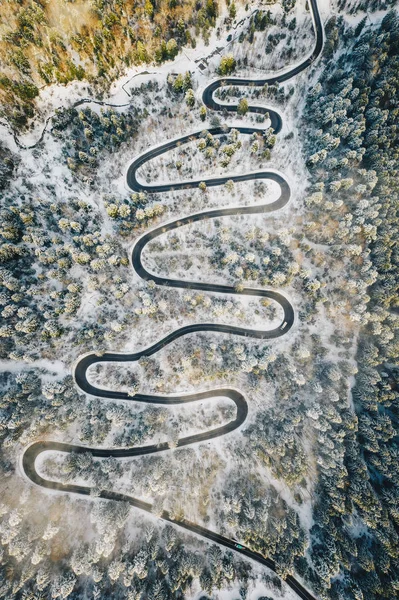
(68, 18)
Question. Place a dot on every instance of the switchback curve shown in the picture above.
(33, 451)
(279, 77)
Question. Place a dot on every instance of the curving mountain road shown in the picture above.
(33, 451)
(279, 77)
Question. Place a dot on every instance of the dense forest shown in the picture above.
(352, 145)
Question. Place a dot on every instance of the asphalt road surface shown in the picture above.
(34, 450)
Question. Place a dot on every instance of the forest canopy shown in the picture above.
(60, 41)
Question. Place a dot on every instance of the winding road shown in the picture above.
(32, 452)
